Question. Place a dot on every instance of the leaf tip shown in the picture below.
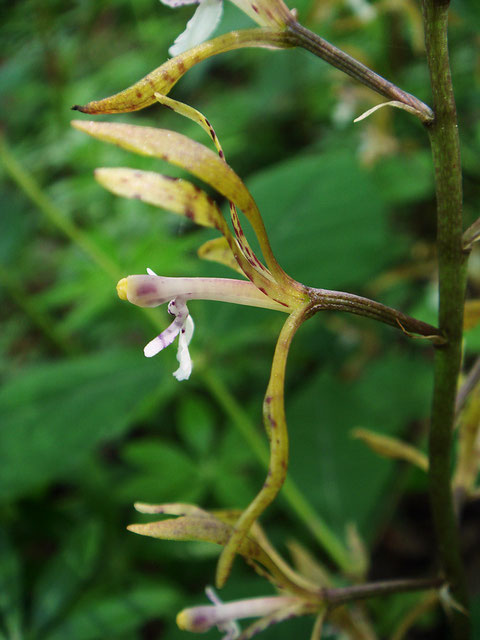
(224, 567)
(135, 528)
(77, 124)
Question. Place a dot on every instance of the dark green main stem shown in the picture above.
(452, 280)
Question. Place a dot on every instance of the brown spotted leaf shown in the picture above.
(189, 112)
(201, 528)
(176, 149)
(142, 93)
(204, 164)
(205, 527)
(193, 114)
(174, 194)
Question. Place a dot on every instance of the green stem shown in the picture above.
(292, 494)
(452, 281)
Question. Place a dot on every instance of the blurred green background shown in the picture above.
(88, 425)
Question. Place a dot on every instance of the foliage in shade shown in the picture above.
(49, 396)
(84, 418)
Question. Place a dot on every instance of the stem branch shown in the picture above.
(337, 58)
(336, 597)
(327, 300)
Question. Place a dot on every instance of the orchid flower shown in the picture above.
(224, 616)
(182, 326)
(152, 290)
(306, 588)
(267, 13)
(298, 595)
(267, 285)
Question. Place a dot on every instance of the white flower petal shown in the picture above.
(189, 328)
(183, 355)
(177, 3)
(163, 340)
(230, 628)
(177, 308)
(199, 27)
(153, 347)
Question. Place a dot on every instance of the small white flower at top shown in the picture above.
(200, 27)
(266, 13)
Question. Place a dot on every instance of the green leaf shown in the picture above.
(55, 414)
(161, 473)
(195, 423)
(403, 179)
(343, 479)
(64, 575)
(326, 223)
(10, 589)
(118, 615)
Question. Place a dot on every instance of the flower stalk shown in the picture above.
(275, 422)
(337, 597)
(444, 140)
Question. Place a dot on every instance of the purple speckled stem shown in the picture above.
(325, 300)
(337, 58)
(337, 597)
